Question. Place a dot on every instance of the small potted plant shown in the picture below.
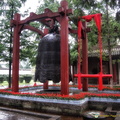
(6, 78)
(21, 78)
(2, 78)
(27, 78)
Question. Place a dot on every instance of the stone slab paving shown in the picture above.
(4, 116)
(16, 114)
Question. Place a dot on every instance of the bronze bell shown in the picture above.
(48, 58)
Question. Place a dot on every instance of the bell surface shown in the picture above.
(48, 59)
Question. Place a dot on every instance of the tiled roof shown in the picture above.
(95, 53)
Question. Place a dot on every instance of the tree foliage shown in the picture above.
(7, 10)
(86, 7)
(29, 40)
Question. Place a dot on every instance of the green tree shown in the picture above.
(85, 7)
(28, 39)
(51, 4)
(112, 4)
(7, 10)
(28, 46)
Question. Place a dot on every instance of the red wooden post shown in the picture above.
(16, 43)
(100, 81)
(114, 73)
(99, 76)
(64, 51)
(79, 52)
(45, 85)
(85, 58)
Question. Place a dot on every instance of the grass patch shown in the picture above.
(5, 83)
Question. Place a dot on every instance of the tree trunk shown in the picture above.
(109, 46)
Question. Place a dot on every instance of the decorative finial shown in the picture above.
(64, 3)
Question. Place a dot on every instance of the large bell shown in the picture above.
(48, 59)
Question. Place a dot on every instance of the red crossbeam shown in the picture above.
(99, 76)
(92, 75)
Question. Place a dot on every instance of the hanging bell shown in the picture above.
(48, 59)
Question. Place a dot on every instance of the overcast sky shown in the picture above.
(30, 4)
(33, 4)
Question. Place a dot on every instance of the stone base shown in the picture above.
(57, 107)
(43, 106)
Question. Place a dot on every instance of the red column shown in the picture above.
(15, 66)
(114, 73)
(64, 51)
(45, 85)
(100, 82)
(79, 52)
(85, 58)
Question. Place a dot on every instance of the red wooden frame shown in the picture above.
(62, 17)
(100, 76)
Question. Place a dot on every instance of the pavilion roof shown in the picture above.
(115, 51)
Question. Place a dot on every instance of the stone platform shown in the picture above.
(44, 105)
(57, 106)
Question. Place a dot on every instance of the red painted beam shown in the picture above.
(45, 85)
(33, 29)
(16, 44)
(100, 81)
(114, 73)
(60, 16)
(79, 52)
(84, 56)
(99, 76)
(79, 83)
(38, 17)
(64, 52)
(73, 31)
(93, 75)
